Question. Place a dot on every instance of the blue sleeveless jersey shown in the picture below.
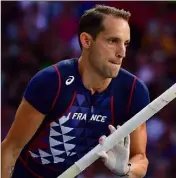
(75, 119)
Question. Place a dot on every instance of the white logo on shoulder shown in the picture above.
(69, 80)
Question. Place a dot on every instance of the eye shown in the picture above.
(126, 44)
(110, 41)
(113, 41)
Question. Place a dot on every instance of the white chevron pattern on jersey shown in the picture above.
(44, 154)
(63, 119)
(53, 132)
(57, 160)
(54, 142)
(34, 155)
(73, 153)
(67, 138)
(68, 146)
(53, 124)
(65, 129)
(45, 161)
(56, 152)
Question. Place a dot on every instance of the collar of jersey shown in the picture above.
(82, 85)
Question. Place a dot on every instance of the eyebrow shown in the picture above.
(128, 41)
(116, 38)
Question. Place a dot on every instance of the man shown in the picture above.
(69, 106)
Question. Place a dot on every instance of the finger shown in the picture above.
(118, 126)
(102, 139)
(112, 129)
(127, 141)
(103, 155)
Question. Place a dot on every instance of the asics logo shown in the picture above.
(69, 80)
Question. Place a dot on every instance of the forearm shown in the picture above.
(139, 165)
(9, 157)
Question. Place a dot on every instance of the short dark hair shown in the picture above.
(91, 20)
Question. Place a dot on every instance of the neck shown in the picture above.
(91, 79)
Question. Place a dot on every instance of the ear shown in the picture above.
(86, 40)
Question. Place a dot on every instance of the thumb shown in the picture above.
(127, 141)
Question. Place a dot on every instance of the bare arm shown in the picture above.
(138, 159)
(27, 121)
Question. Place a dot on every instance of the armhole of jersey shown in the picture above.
(28, 168)
(59, 86)
(131, 96)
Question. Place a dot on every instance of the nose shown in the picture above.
(121, 51)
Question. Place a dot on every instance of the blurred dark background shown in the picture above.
(37, 34)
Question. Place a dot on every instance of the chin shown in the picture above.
(113, 74)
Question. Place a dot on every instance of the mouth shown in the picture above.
(115, 62)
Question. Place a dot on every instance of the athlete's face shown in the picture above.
(108, 50)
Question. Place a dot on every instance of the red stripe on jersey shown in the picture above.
(131, 95)
(25, 165)
(72, 101)
(59, 88)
